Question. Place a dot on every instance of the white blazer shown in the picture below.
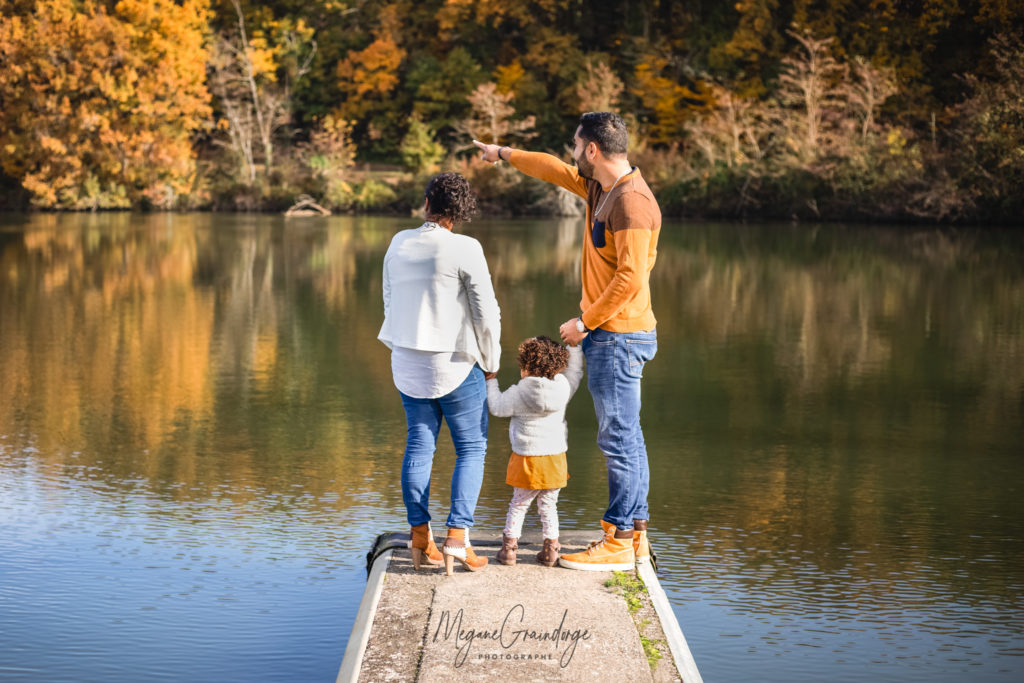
(438, 296)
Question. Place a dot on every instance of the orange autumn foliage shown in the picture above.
(664, 98)
(368, 76)
(100, 99)
(454, 16)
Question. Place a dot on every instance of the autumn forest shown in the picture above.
(879, 110)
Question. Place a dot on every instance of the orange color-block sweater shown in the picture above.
(619, 247)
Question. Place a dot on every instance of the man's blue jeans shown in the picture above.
(465, 411)
(615, 363)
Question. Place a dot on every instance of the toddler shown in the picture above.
(537, 467)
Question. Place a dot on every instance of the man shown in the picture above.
(616, 326)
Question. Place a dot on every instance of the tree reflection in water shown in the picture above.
(827, 401)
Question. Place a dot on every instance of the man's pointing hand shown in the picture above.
(488, 152)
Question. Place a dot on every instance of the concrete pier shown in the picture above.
(524, 623)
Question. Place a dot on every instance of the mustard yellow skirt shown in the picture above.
(537, 471)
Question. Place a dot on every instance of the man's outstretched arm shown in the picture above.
(546, 167)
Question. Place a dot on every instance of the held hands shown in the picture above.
(571, 335)
(490, 375)
(489, 153)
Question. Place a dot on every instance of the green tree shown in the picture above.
(754, 48)
(421, 152)
(440, 88)
(990, 133)
(329, 154)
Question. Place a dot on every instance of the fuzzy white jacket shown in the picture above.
(537, 408)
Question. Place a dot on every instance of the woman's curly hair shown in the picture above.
(543, 357)
(450, 196)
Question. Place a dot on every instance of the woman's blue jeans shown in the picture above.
(465, 411)
(615, 363)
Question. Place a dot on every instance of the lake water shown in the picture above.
(199, 438)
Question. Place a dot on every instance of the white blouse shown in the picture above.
(429, 374)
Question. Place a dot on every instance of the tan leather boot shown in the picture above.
(457, 547)
(641, 548)
(548, 556)
(421, 545)
(507, 554)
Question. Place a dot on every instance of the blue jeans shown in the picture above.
(465, 411)
(615, 363)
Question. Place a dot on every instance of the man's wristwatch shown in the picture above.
(580, 327)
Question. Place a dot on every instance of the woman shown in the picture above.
(442, 323)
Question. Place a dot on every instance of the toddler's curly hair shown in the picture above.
(543, 357)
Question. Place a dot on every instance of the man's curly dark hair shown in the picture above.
(450, 196)
(543, 357)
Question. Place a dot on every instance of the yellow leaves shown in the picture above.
(102, 103)
(275, 48)
(52, 145)
(368, 76)
(42, 192)
(896, 141)
(664, 97)
(262, 60)
(453, 14)
(390, 22)
(461, 14)
(335, 126)
(1001, 13)
(14, 29)
(509, 76)
(373, 71)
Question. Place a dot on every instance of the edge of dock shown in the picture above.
(430, 624)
